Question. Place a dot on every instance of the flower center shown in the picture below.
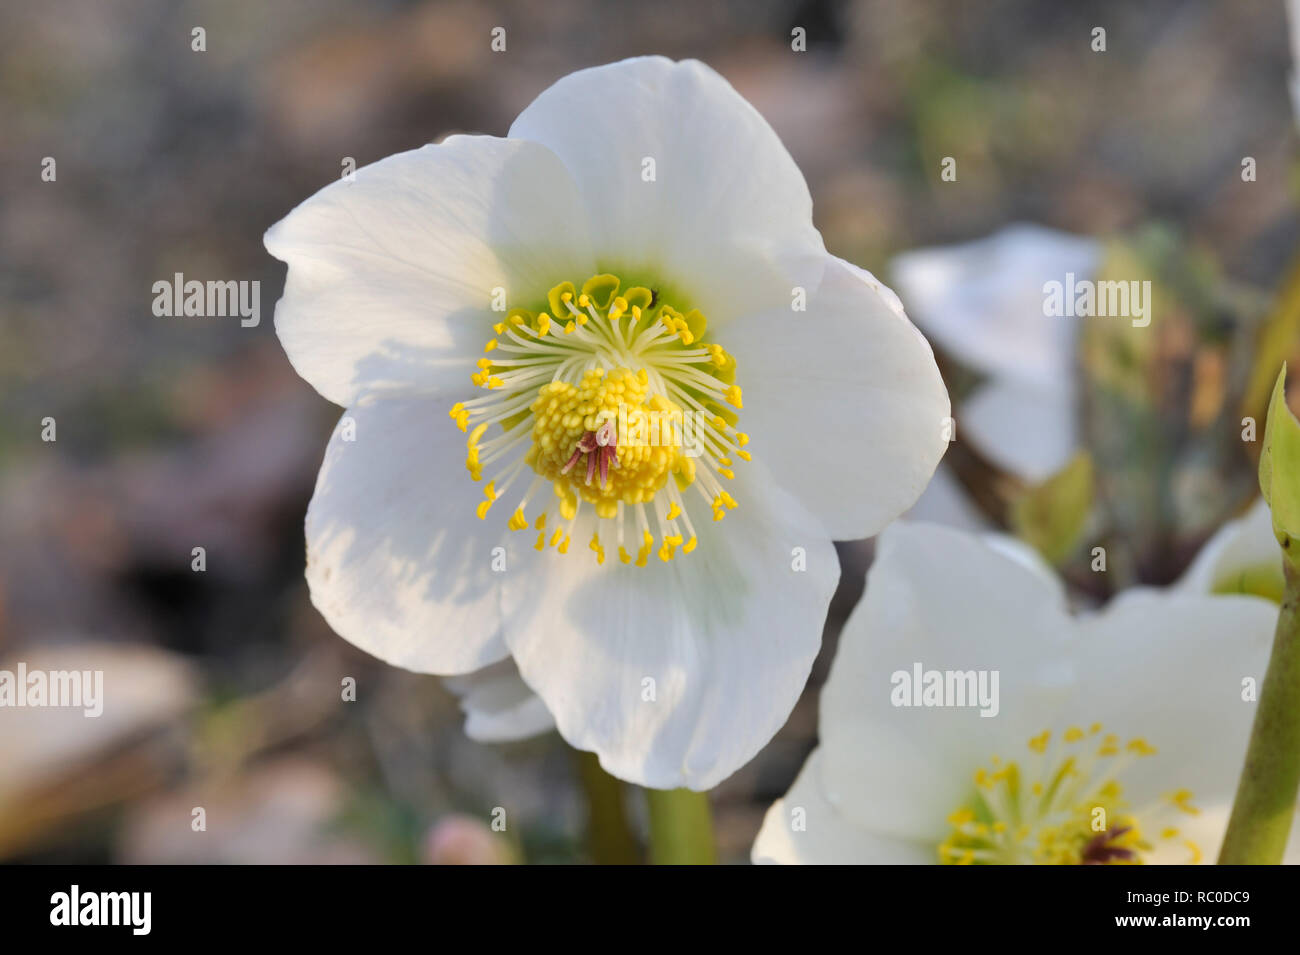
(1065, 806)
(618, 401)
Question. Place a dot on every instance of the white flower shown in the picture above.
(1136, 710)
(498, 705)
(982, 303)
(1241, 557)
(653, 242)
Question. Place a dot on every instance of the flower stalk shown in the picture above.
(1265, 805)
(609, 836)
(681, 828)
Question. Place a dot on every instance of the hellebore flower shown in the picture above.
(982, 302)
(1112, 737)
(586, 299)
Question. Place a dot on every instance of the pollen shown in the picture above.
(611, 393)
(576, 439)
(1063, 805)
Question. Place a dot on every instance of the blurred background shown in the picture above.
(179, 432)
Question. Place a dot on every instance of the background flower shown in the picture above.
(981, 302)
(1162, 671)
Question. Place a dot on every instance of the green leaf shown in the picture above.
(1279, 466)
(1051, 517)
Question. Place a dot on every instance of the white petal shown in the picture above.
(1238, 545)
(982, 301)
(397, 561)
(498, 704)
(391, 276)
(725, 199)
(947, 601)
(844, 402)
(1024, 429)
(727, 634)
(805, 829)
(1029, 558)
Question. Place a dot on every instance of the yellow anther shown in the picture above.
(492, 343)
(517, 520)
(499, 328)
(460, 415)
(489, 492)
(674, 511)
(1049, 815)
(1182, 800)
(558, 296)
(734, 396)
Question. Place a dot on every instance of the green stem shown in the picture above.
(1266, 795)
(609, 837)
(681, 827)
